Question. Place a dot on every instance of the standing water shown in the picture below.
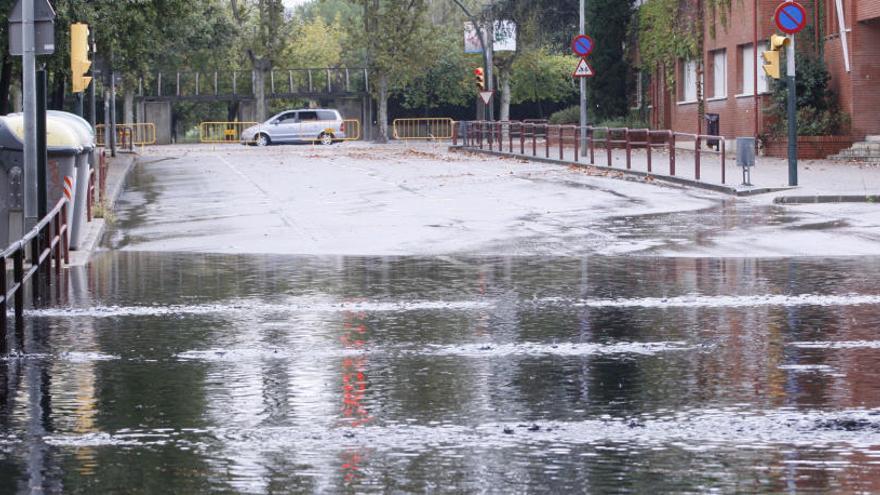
(239, 373)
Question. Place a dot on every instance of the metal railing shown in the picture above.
(206, 85)
(128, 135)
(44, 244)
(427, 129)
(537, 139)
(223, 132)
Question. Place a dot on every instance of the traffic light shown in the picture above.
(480, 78)
(79, 57)
(771, 56)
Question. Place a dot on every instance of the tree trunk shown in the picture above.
(504, 80)
(261, 68)
(383, 109)
(128, 107)
(5, 80)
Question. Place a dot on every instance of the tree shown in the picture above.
(263, 35)
(400, 45)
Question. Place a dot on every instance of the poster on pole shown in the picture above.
(504, 34)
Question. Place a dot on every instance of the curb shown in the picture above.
(633, 173)
(116, 181)
(843, 198)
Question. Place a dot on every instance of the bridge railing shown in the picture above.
(242, 83)
(44, 244)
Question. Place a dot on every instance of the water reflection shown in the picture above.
(261, 374)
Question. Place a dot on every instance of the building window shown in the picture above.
(688, 81)
(719, 73)
(747, 69)
(763, 78)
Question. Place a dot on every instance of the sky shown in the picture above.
(293, 3)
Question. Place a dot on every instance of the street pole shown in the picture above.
(490, 81)
(792, 115)
(42, 158)
(29, 97)
(111, 130)
(583, 86)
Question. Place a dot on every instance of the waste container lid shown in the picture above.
(61, 138)
(79, 124)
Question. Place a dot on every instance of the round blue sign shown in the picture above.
(791, 17)
(582, 45)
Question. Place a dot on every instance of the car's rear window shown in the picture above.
(326, 115)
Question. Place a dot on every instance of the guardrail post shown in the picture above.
(577, 142)
(608, 146)
(628, 148)
(534, 140)
(592, 145)
(723, 161)
(35, 262)
(18, 280)
(697, 159)
(547, 140)
(649, 142)
(65, 244)
(672, 153)
(510, 137)
(561, 143)
(57, 250)
(4, 348)
(522, 139)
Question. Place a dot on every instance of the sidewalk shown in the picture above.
(117, 172)
(819, 180)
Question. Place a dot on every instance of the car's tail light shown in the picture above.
(342, 127)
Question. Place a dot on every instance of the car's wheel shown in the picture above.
(326, 138)
(262, 140)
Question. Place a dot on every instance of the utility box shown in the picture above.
(745, 152)
(11, 186)
(44, 29)
(745, 157)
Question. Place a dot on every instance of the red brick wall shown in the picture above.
(868, 9)
(809, 147)
(858, 92)
(737, 115)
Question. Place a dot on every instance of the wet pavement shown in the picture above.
(260, 374)
(164, 367)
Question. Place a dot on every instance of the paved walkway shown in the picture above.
(815, 177)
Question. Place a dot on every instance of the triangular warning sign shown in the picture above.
(486, 96)
(583, 69)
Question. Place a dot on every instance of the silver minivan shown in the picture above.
(306, 125)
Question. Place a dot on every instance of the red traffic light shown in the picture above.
(478, 71)
(480, 78)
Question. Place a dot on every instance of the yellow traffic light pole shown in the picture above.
(772, 69)
(79, 62)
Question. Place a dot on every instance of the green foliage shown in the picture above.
(609, 26)
(818, 113)
(541, 76)
(316, 43)
(663, 39)
(447, 81)
(570, 115)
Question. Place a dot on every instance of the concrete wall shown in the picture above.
(159, 113)
(247, 111)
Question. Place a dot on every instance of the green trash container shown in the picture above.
(84, 164)
(64, 146)
(11, 186)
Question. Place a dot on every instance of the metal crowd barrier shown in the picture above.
(429, 129)
(45, 243)
(496, 136)
(222, 132)
(141, 134)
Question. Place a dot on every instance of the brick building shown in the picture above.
(733, 68)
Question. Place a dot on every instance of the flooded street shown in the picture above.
(268, 373)
(194, 356)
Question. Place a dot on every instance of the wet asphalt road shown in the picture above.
(163, 368)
